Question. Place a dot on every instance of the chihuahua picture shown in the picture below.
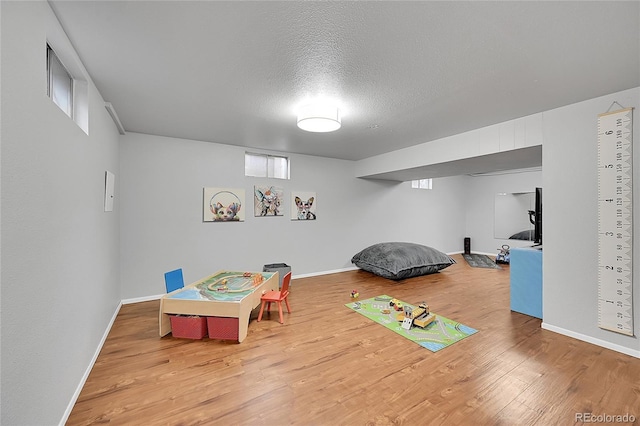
(304, 209)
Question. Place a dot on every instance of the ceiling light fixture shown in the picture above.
(319, 118)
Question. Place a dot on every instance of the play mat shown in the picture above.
(439, 334)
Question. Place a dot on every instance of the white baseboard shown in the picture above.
(76, 394)
(315, 274)
(592, 340)
(473, 252)
(142, 299)
(354, 268)
(486, 254)
(293, 277)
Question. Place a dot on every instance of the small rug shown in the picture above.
(440, 334)
(480, 261)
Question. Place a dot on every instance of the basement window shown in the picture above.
(264, 165)
(421, 184)
(59, 83)
(67, 83)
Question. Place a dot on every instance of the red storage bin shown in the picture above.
(188, 327)
(222, 328)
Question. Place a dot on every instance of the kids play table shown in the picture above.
(222, 295)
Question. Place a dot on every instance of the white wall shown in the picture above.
(162, 181)
(60, 265)
(570, 255)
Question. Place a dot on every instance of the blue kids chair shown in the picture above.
(173, 280)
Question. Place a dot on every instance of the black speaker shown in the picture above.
(467, 245)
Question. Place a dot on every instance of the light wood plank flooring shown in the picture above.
(328, 365)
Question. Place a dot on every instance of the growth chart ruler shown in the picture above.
(615, 221)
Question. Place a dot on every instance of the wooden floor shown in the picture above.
(328, 365)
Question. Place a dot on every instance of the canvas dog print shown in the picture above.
(303, 205)
(267, 201)
(223, 205)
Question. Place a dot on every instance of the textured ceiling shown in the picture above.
(403, 73)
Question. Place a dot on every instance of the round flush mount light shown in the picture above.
(319, 118)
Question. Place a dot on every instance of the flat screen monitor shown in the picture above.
(537, 232)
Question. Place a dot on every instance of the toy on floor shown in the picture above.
(354, 294)
(503, 255)
(423, 317)
(419, 316)
(396, 304)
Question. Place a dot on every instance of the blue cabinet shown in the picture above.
(526, 281)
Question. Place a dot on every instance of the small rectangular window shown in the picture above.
(421, 184)
(59, 83)
(263, 165)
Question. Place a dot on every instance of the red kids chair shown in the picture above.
(277, 297)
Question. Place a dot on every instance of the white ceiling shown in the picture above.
(403, 73)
